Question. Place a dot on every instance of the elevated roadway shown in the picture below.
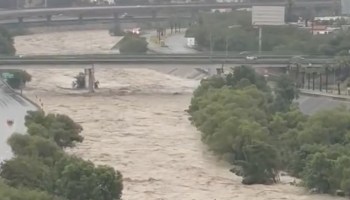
(87, 20)
(112, 10)
(272, 61)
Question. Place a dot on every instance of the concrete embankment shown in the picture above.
(13, 107)
(313, 101)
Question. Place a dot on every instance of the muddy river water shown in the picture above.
(136, 124)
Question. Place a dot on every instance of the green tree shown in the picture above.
(260, 165)
(238, 120)
(317, 172)
(327, 128)
(285, 92)
(34, 146)
(41, 164)
(80, 180)
(6, 43)
(11, 193)
(133, 44)
(29, 172)
(62, 129)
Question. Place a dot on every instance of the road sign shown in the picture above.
(345, 7)
(7, 75)
(268, 15)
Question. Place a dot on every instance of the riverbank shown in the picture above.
(13, 107)
(136, 124)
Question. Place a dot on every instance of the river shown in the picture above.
(137, 123)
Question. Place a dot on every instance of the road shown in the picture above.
(12, 107)
(86, 20)
(174, 44)
(310, 105)
(114, 9)
(271, 61)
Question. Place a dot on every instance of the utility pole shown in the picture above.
(313, 80)
(303, 79)
(326, 78)
(211, 45)
(320, 82)
(260, 39)
(226, 46)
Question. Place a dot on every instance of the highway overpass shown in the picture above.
(80, 12)
(279, 61)
(68, 21)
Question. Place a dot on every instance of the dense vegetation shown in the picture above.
(235, 30)
(41, 170)
(19, 77)
(133, 44)
(6, 42)
(262, 132)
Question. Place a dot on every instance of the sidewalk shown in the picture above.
(330, 94)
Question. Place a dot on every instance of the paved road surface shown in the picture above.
(175, 43)
(310, 105)
(12, 107)
(113, 9)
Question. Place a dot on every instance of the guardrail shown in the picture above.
(149, 58)
(196, 55)
(323, 94)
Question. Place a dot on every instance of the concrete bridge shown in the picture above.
(115, 11)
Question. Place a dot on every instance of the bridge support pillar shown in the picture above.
(80, 18)
(154, 14)
(320, 83)
(90, 79)
(194, 14)
(48, 18)
(313, 80)
(20, 19)
(116, 16)
(117, 30)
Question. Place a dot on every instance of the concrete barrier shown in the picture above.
(323, 94)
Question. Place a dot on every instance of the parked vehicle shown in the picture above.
(251, 58)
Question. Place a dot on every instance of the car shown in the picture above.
(244, 53)
(298, 57)
(251, 58)
(126, 16)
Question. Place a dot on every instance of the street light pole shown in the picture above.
(226, 46)
(211, 45)
(227, 35)
(260, 39)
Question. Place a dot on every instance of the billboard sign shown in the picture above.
(345, 7)
(268, 15)
(6, 75)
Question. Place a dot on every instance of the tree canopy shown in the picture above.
(6, 43)
(235, 32)
(262, 131)
(42, 170)
(133, 44)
